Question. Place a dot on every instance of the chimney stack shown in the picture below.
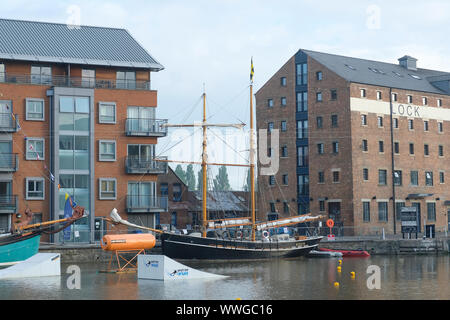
(408, 62)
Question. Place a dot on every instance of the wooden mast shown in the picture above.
(204, 168)
(252, 158)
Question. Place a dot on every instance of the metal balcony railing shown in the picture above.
(8, 203)
(9, 122)
(135, 164)
(9, 162)
(146, 203)
(77, 82)
(146, 127)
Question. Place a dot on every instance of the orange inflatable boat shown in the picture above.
(138, 241)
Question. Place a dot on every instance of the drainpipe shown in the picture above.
(392, 162)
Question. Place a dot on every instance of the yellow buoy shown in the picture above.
(352, 274)
(336, 284)
(340, 261)
(339, 269)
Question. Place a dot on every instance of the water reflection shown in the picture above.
(402, 277)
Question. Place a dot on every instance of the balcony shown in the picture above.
(8, 122)
(146, 127)
(76, 82)
(8, 204)
(9, 162)
(135, 165)
(146, 204)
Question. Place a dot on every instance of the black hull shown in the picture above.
(187, 247)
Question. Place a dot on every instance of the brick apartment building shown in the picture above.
(77, 116)
(359, 139)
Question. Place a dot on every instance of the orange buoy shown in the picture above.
(138, 241)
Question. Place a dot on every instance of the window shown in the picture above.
(285, 207)
(321, 177)
(303, 184)
(426, 150)
(414, 178)
(441, 177)
(395, 123)
(126, 80)
(319, 96)
(382, 177)
(380, 121)
(319, 75)
(382, 211)
(176, 192)
(319, 121)
(302, 73)
(41, 75)
(74, 113)
(398, 212)
(106, 112)
(283, 126)
(366, 211)
(364, 119)
(411, 124)
(396, 148)
(320, 148)
(439, 102)
(365, 146)
(441, 150)
(302, 156)
(335, 146)
(440, 127)
(270, 127)
(35, 188)
(107, 150)
(302, 101)
(271, 180)
(424, 101)
(321, 205)
(333, 94)
(272, 207)
(365, 174)
(411, 148)
(88, 78)
(431, 211)
(335, 176)
(425, 125)
(173, 219)
(334, 120)
(285, 179)
(394, 97)
(284, 151)
(379, 96)
(283, 101)
(2, 72)
(428, 178)
(107, 189)
(34, 109)
(381, 146)
(302, 129)
(410, 99)
(35, 148)
(270, 103)
(397, 177)
(283, 81)
(363, 93)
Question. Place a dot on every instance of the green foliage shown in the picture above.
(221, 182)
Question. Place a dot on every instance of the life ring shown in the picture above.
(239, 234)
(265, 234)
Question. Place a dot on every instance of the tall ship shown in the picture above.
(237, 238)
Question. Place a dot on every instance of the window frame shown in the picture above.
(27, 101)
(100, 153)
(105, 103)
(27, 190)
(27, 146)
(100, 195)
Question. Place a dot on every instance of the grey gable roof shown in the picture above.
(57, 43)
(392, 75)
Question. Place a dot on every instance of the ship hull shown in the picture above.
(188, 247)
(15, 248)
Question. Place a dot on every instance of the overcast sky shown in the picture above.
(211, 42)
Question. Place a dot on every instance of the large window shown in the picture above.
(41, 75)
(303, 184)
(2, 72)
(141, 194)
(302, 101)
(366, 211)
(382, 211)
(88, 78)
(107, 112)
(126, 80)
(431, 211)
(398, 210)
(414, 178)
(141, 119)
(429, 178)
(302, 129)
(302, 156)
(397, 177)
(382, 177)
(77, 186)
(35, 189)
(302, 74)
(74, 152)
(74, 113)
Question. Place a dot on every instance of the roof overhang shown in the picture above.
(419, 195)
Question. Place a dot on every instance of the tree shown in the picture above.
(190, 177)
(200, 180)
(180, 173)
(221, 182)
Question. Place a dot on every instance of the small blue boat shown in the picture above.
(15, 248)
